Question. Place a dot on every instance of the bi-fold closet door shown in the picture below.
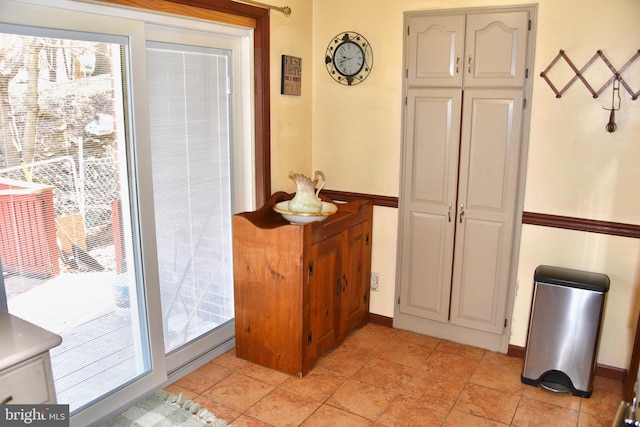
(461, 154)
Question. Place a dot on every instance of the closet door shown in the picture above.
(435, 50)
(478, 49)
(428, 204)
(487, 190)
(461, 153)
(495, 49)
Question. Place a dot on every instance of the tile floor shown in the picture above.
(385, 377)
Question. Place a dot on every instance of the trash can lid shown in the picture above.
(572, 278)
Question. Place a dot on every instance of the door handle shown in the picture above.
(461, 212)
(469, 65)
(457, 63)
(449, 213)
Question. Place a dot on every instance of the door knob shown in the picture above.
(461, 212)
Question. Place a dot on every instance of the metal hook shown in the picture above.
(611, 126)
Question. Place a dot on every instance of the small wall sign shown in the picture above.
(291, 83)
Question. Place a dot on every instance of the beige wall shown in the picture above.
(291, 116)
(575, 167)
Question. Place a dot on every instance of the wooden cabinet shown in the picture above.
(462, 154)
(299, 289)
(474, 49)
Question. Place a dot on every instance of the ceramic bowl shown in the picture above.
(302, 218)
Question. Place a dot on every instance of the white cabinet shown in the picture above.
(476, 49)
(28, 382)
(435, 53)
(463, 125)
(25, 366)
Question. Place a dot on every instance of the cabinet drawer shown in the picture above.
(27, 382)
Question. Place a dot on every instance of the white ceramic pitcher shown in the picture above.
(306, 198)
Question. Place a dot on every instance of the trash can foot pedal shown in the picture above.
(554, 387)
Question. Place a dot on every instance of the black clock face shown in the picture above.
(349, 58)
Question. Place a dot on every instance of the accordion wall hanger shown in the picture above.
(616, 74)
(616, 79)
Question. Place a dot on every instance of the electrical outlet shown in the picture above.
(374, 281)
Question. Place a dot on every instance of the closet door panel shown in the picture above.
(435, 50)
(495, 49)
(476, 293)
(487, 190)
(427, 268)
(490, 155)
(431, 163)
(433, 151)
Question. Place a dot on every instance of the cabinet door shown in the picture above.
(495, 49)
(488, 184)
(430, 163)
(326, 287)
(30, 381)
(356, 273)
(435, 50)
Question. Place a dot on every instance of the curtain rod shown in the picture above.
(286, 10)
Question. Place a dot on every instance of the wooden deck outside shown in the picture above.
(96, 357)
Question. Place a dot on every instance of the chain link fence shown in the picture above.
(99, 179)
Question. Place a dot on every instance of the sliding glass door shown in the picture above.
(69, 242)
(125, 148)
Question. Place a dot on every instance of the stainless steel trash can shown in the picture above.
(564, 329)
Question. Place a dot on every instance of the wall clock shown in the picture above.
(349, 58)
